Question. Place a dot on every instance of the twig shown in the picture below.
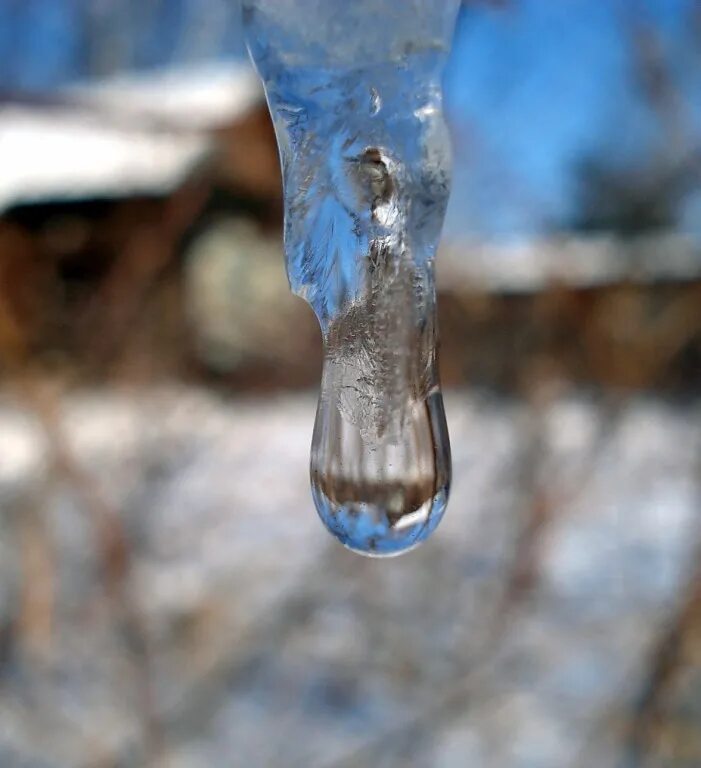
(666, 663)
(113, 547)
(114, 557)
(37, 597)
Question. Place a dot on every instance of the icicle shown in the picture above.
(354, 91)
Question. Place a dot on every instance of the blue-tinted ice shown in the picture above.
(354, 88)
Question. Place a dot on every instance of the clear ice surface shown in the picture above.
(354, 89)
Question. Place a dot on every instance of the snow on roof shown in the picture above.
(62, 154)
(195, 99)
(575, 261)
(131, 135)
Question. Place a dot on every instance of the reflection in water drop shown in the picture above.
(379, 496)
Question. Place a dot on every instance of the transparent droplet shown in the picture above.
(380, 494)
(365, 196)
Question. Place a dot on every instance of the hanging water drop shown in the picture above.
(365, 196)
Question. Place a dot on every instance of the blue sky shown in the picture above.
(534, 88)
(530, 89)
(527, 92)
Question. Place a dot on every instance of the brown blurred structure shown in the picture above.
(145, 243)
(92, 245)
(594, 310)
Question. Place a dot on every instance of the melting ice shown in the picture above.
(354, 89)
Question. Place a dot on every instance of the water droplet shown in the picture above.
(380, 495)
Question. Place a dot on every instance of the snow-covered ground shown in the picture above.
(270, 645)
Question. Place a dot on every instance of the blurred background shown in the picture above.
(167, 594)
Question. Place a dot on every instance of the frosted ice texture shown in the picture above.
(354, 91)
(347, 33)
